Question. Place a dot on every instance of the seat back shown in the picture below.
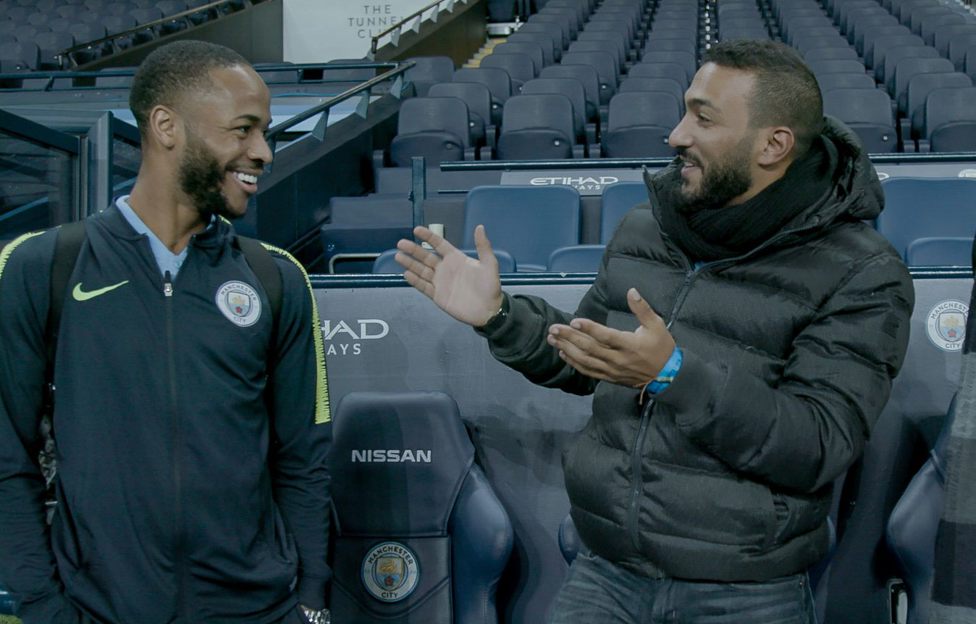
(868, 113)
(527, 221)
(660, 69)
(576, 259)
(909, 68)
(616, 201)
(587, 77)
(568, 87)
(919, 89)
(428, 71)
(543, 41)
(531, 49)
(639, 123)
(497, 80)
(914, 523)
(420, 536)
(950, 120)
(475, 96)
(922, 207)
(603, 63)
(386, 262)
(536, 126)
(519, 67)
(940, 251)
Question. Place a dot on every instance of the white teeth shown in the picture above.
(246, 178)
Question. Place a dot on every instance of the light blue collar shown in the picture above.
(166, 260)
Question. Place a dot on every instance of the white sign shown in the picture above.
(316, 31)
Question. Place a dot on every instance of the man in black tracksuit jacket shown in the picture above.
(740, 340)
(191, 426)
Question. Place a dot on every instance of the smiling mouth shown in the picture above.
(248, 181)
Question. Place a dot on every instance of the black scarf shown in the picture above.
(730, 231)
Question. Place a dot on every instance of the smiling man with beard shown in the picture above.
(740, 341)
(191, 415)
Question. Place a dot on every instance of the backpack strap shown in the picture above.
(266, 269)
(70, 238)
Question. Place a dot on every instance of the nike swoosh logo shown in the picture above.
(85, 295)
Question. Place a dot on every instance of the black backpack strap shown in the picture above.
(266, 269)
(70, 238)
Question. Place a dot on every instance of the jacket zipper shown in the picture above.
(177, 444)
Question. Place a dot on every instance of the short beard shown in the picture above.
(723, 182)
(200, 178)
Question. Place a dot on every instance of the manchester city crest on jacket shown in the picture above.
(390, 571)
(239, 303)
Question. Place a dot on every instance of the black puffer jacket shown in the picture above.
(789, 354)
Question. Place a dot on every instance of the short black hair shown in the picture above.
(786, 92)
(172, 70)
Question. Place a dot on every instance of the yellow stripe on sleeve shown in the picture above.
(323, 412)
(9, 249)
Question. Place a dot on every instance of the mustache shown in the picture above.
(685, 156)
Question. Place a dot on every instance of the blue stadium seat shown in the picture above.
(478, 100)
(527, 221)
(497, 80)
(531, 49)
(435, 128)
(605, 66)
(923, 207)
(868, 113)
(573, 90)
(576, 259)
(427, 71)
(587, 77)
(420, 535)
(914, 523)
(386, 264)
(546, 33)
(538, 126)
(950, 120)
(658, 69)
(639, 124)
(940, 251)
(539, 40)
(919, 89)
(616, 201)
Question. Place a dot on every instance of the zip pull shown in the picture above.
(168, 285)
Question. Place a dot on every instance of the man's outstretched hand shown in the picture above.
(466, 288)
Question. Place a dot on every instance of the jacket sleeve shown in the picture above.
(299, 399)
(520, 342)
(27, 565)
(803, 433)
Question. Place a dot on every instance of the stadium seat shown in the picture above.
(612, 42)
(924, 207)
(605, 66)
(895, 56)
(908, 69)
(576, 259)
(918, 92)
(834, 66)
(674, 71)
(542, 32)
(478, 100)
(527, 221)
(666, 85)
(953, 251)
(958, 46)
(497, 80)
(587, 77)
(616, 201)
(639, 124)
(385, 263)
(531, 50)
(419, 534)
(435, 128)
(537, 40)
(573, 90)
(832, 54)
(950, 120)
(875, 57)
(868, 113)
(538, 126)
(829, 82)
(914, 522)
(427, 71)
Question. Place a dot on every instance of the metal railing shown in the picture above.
(65, 57)
(434, 9)
(363, 90)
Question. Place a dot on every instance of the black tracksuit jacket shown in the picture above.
(192, 482)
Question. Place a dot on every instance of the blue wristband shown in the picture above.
(667, 374)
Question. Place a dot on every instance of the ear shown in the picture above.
(164, 126)
(778, 146)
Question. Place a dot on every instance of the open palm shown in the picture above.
(468, 289)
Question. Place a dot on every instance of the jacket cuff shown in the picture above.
(501, 323)
(52, 608)
(311, 591)
(691, 395)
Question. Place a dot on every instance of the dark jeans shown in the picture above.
(599, 591)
